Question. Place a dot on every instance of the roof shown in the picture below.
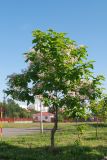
(44, 114)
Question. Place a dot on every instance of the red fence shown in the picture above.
(15, 119)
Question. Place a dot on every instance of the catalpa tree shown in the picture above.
(58, 70)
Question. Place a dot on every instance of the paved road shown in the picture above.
(9, 132)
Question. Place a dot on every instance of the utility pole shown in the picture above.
(1, 125)
(4, 99)
(1, 115)
(41, 120)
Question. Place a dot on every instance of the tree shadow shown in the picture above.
(74, 152)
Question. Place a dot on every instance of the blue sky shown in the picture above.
(84, 20)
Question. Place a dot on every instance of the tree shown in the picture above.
(13, 110)
(86, 92)
(58, 70)
(99, 110)
(104, 108)
(96, 111)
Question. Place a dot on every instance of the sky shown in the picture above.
(85, 21)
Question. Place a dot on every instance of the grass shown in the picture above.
(36, 146)
(25, 125)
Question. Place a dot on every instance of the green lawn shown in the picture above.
(25, 125)
(36, 146)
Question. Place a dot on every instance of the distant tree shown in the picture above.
(58, 70)
(104, 108)
(13, 110)
(96, 112)
(99, 110)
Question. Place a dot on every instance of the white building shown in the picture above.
(39, 106)
(46, 117)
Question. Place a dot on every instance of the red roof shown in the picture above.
(44, 114)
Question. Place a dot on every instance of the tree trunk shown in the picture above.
(97, 129)
(53, 131)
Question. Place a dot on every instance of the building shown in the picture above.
(46, 117)
(39, 106)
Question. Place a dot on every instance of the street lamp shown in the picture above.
(41, 120)
(1, 116)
